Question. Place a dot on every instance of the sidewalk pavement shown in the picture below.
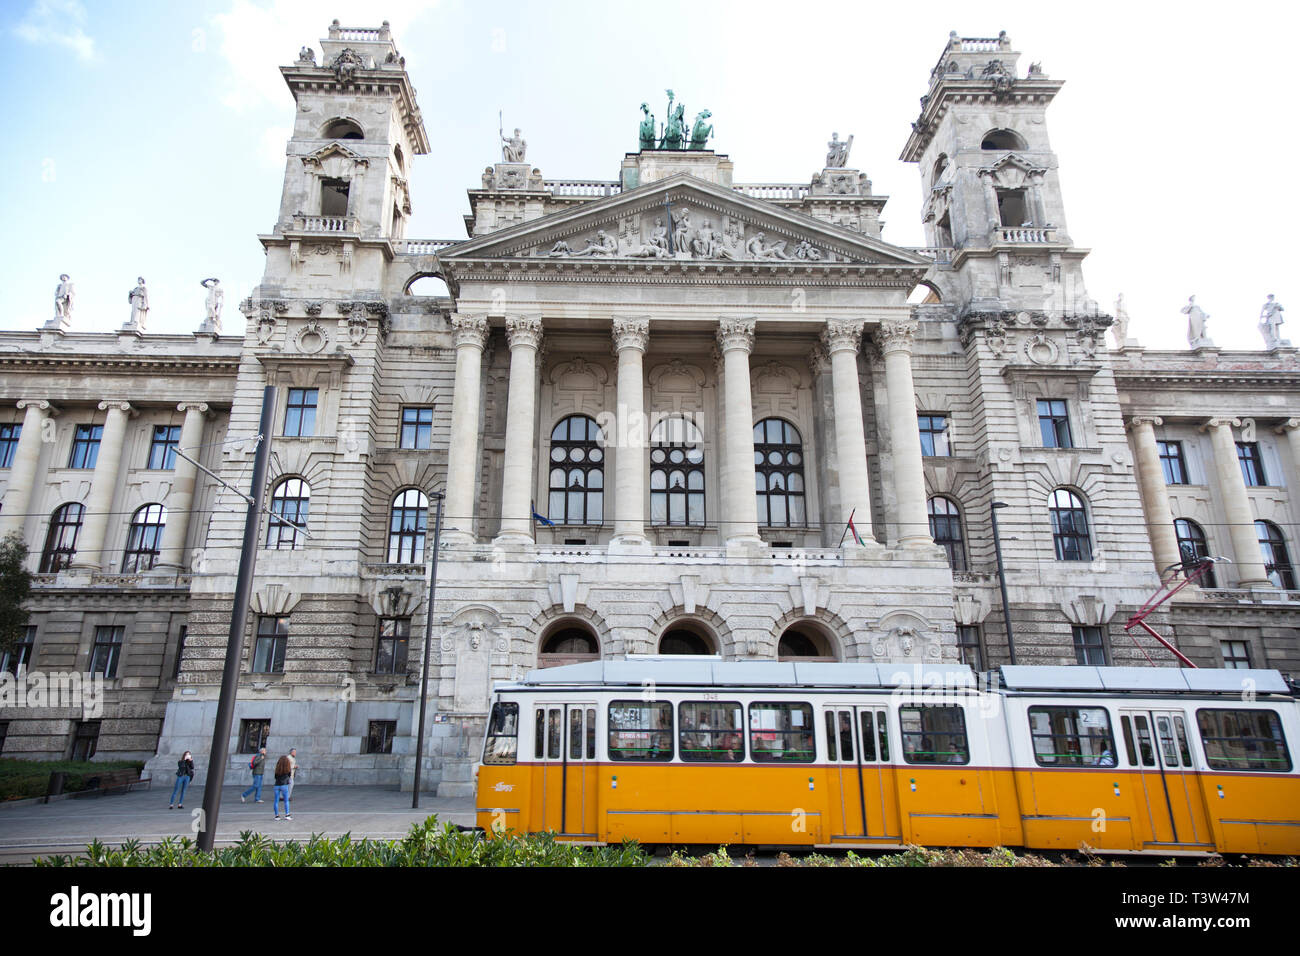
(67, 826)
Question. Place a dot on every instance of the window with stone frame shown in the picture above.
(162, 450)
(1252, 463)
(85, 446)
(334, 197)
(394, 645)
(253, 734)
(1090, 646)
(1236, 654)
(1172, 462)
(300, 412)
(970, 646)
(144, 539)
(1277, 560)
(576, 491)
(945, 528)
(272, 640)
(290, 504)
(20, 656)
(61, 538)
(85, 739)
(1013, 208)
(9, 434)
(407, 527)
(106, 652)
(379, 737)
(676, 473)
(417, 427)
(778, 474)
(934, 435)
(1054, 423)
(1192, 546)
(1070, 535)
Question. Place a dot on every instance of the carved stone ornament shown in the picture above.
(306, 56)
(631, 334)
(524, 331)
(1041, 350)
(469, 330)
(896, 336)
(736, 334)
(265, 326)
(358, 324)
(346, 64)
(819, 360)
(313, 308)
(840, 335)
(311, 338)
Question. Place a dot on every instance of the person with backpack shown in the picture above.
(283, 775)
(184, 774)
(258, 766)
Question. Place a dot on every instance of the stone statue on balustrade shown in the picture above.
(513, 148)
(1197, 319)
(1270, 324)
(837, 152)
(64, 294)
(1120, 326)
(212, 306)
(647, 131)
(701, 132)
(139, 299)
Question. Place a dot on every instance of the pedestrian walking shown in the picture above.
(293, 765)
(184, 774)
(258, 766)
(283, 780)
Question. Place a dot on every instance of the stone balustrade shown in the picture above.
(942, 255)
(337, 32)
(325, 223)
(591, 188)
(421, 247)
(773, 190)
(1024, 234)
(1244, 596)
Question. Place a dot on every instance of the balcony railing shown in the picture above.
(940, 254)
(422, 247)
(588, 188)
(1024, 234)
(325, 223)
(773, 190)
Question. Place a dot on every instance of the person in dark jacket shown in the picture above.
(258, 766)
(184, 774)
(283, 774)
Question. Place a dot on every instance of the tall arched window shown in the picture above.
(144, 538)
(290, 502)
(945, 528)
(577, 485)
(1192, 543)
(1070, 526)
(1277, 562)
(803, 642)
(778, 474)
(61, 539)
(568, 644)
(685, 639)
(406, 527)
(676, 473)
(1002, 139)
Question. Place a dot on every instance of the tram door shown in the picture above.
(1156, 743)
(566, 750)
(864, 801)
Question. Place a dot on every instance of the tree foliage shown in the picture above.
(15, 588)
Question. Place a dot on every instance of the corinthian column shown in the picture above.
(740, 505)
(841, 342)
(90, 545)
(1155, 496)
(470, 333)
(905, 435)
(180, 500)
(22, 475)
(525, 335)
(1236, 504)
(630, 337)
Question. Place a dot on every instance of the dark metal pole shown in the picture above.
(428, 638)
(1002, 579)
(235, 643)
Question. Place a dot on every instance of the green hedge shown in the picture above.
(426, 845)
(20, 779)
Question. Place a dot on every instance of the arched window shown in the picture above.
(685, 638)
(406, 527)
(1070, 526)
(144, 539)
(940, 165)
(945, 528)
(289, 502)
(568, 644)
(778, 474)
(1192, 544)
(1002, 139)
(801, 642)
(343, 129)
(676, 473)
(577, 485)
(1277, 562)
(61, 539)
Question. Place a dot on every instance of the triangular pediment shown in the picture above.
(687, 219)
(333, 149)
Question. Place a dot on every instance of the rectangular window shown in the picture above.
(934, 435)
(106, 651)
(394, 642)
(180, 650)
(711, 731)
(502, 734)
(417, 428)
(272, 637)
(1054, 423)
(253, 735)
(20, 658)
(934, 734)
(1013, 210)
(162, 451)
(1243, 740)
(1089, 646)
(333, 197)
(8, 444)
(1172, 462)
(1252, 463)
(1071, 737)
(1236, 654)
(85, 739)
(781, 733)
(85, 446)
(300, 413)
(379, 738)
(969, 646)
(640, 731)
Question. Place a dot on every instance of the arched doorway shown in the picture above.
(687, 637)
(568, 643)
(804, 642)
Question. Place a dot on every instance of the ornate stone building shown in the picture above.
(653, 405)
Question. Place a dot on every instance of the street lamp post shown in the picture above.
(1002, 579)
(428, 636)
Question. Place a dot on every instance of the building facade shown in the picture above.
(664, 414)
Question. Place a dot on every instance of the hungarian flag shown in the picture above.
(856, 537)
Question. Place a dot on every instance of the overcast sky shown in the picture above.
(148, 138)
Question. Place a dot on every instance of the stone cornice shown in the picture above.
(689, 272)
(228, 364)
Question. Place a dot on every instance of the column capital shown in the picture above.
(840, 335)
(471, 330)
(200, 407)
(1221, 423)
(524, 331)
(736, 334)
(1137, 421)
(631, 334)
(42, 404)
(896, 336)
(120, 407)
(1290, 425)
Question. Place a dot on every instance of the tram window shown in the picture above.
(640, 731)
(1243, 740)
(934, 734)
(539, 741)
(868, 737)
(846, 734)
(1165, 729)
(1127, 724)
(591, 733)
(1071, 737)
(832, 751)
(781, 733)
(711, 731)
(1144, 741)
(503, 733)
(1181, 729)
(883, 728)
(576, 736)
(553, 728)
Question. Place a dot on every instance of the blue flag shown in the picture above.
(546, 521)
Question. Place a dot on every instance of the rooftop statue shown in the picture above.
(674, 130)
(837, 153)
(139, 299)
(212, 305)
(700, 133)
(513, 148)
(1270, 323)
(64, 294)
(1120, 326)
(1196, 324)
(647, 128)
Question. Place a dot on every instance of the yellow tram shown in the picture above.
(705, 751)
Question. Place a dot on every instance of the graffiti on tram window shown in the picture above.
(640, 730)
